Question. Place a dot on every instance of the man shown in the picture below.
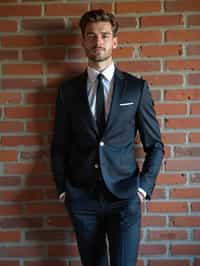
(97, 117)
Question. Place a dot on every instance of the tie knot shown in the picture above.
(100, 77)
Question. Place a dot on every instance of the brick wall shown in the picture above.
(39, 47)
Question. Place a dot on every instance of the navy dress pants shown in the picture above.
(107, 228)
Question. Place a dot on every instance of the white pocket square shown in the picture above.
(125, 104)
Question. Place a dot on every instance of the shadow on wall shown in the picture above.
(41, 228)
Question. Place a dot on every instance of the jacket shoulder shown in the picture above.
(133, 79)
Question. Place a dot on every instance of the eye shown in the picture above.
(106, 35)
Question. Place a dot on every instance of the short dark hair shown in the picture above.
(98, 15)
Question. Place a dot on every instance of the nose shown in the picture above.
(99, 40)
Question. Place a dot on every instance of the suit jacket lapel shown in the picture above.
(115, 105)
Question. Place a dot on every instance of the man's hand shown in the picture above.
(62, 197)
(141, 196)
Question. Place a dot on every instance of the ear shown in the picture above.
(115, 42)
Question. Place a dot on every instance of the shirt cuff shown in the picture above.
(62, 196)
(142, 192)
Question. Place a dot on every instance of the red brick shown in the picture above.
(44, 54)
(8, 25)
(40, 98)
(167, 262)
(23, 222)
(139, 36)
(123, 52)
(61, 68)
(196, 234)
(45, 263)
(192, 64)
(103, 5)
(195, 206)
(139, 66)
(39, 126)
(22, 251)
(171, 109)
(65, 9)
(62, 251)
(194, 137)
(64, 39)
(21, 195)
(195, 108)
(164, 79)
(182, 5)
(10, 97)
(151, 221)
(78, 53)
(22, 140)
(20, 10)
(26, 112)
(182, 123)
(43, 24)
(13, 210)
(193, 20)
(182, 95)
(38, 180)
(10, 236)
(161, 50)
(171, 179)
(183, 35)
(137, 7)
(166, 207)
(8, 54)
(185, 193)
(159, 193)
(194, 79)
(185, 221)
(9, 262)
(45, 208)
(193, 49)
(22, 69)
(152, 249)
(61, 221)
(182, 165)
(167, 235)
(185, 249)
(187, 151)
(26, 168)
(158, 21)
(10, 180)
(6, 126)
(47, 235)
(21, 41)
(22, 83)
(8, 155)
(126, 21)
(174, 138)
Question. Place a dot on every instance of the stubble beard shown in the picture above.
(98, 58)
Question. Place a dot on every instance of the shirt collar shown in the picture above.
(108, 73)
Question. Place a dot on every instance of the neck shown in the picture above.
(99, 66)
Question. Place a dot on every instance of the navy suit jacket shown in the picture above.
(77, 148)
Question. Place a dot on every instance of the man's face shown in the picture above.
(98, 41)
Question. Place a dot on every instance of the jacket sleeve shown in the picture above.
(60, 143)
(149, 131)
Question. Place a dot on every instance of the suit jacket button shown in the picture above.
(102, 143)
(96, 166)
